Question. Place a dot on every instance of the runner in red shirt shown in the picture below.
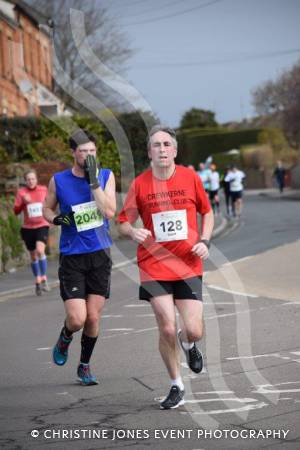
(35, 228)
(168, 197)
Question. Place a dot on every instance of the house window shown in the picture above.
(10, 58)
(1, 55)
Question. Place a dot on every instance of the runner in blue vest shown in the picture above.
(86, 198)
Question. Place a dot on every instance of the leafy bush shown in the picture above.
(52, 149)
(273, 137)
(4, 157)
(41, 139)
(12, 246)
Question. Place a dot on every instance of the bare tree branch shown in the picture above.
(108, 42)
(282, 97)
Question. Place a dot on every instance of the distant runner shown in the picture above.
(235, 177)
(35, 229)
(214, 186)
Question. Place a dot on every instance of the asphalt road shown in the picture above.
(248, 397)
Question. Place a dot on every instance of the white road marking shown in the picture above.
(111, 316)
(269, 388)
(144, 315)
(124, 263)
(290, 302)
(129, 332)
(237, 261)
(295, 353)
(221, 303)
(136, 305)
(243, 294)
(119, 329)
(213, 392)
(146, 329)
(219, 316)
(227, 399)
(61, 393)
(118, 316)
(226, 411)
(253, 356)
(41, 349)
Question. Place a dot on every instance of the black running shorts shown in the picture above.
(235, 195)
(84, 274)
(188, 289)
(212, 194)
(31, 235)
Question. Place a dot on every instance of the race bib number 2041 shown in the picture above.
(87, 216)
(170, 225)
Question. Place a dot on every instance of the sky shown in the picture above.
(207, 54)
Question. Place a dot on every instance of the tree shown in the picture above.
(198, 118)
(134, 126)
(99, 33)
(281, 98)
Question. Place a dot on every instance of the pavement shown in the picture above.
(287, 194)
(242, 275)
(19, 282)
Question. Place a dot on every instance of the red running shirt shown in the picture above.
(33, 217)
(182, 193)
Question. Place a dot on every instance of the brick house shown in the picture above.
(25, 63)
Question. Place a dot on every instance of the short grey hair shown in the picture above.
(165, 129)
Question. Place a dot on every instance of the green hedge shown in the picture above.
(196, 145)
(12, 246)
(40, 139)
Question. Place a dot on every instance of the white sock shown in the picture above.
(178, 382)
(187, 345)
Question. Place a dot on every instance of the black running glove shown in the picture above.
(64, 219)
(91, 171)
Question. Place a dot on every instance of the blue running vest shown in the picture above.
(71, 191)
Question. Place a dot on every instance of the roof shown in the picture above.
(36, 16)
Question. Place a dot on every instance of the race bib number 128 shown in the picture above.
(170, 225)
(87, 216)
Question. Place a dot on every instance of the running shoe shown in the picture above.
(193, 356)
(38, 289)
(60, 351)
(45, 286)
(84, 375)
(174, 399)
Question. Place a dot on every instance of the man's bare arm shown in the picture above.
(106, 199)
(50, 202)
(208, 222)
(201, 249)
(139, 235)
